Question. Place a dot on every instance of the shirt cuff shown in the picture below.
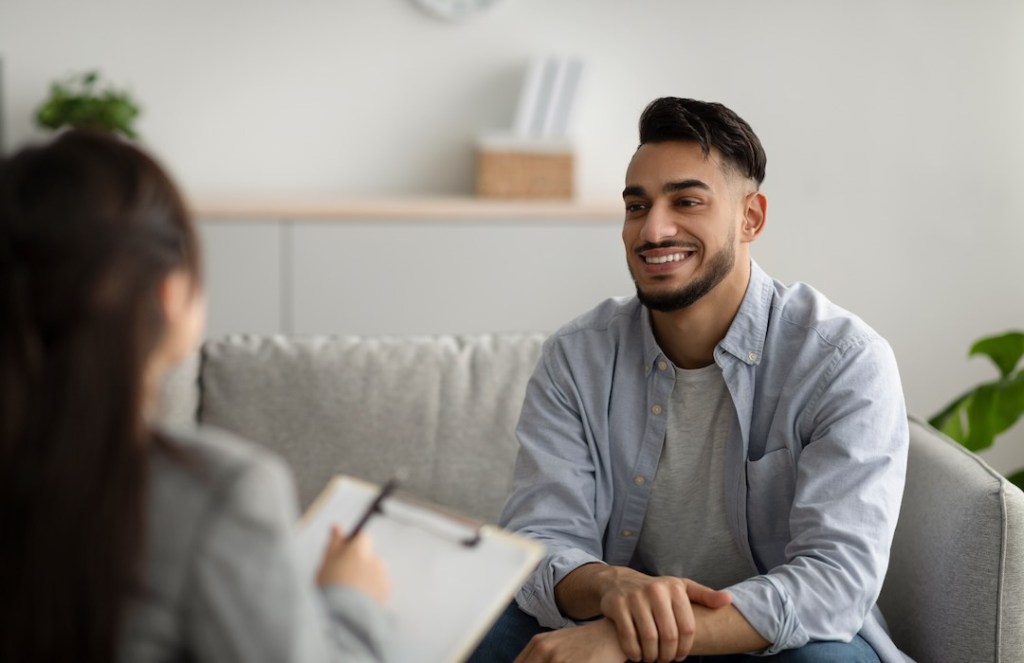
(770, 611)
(537, 596)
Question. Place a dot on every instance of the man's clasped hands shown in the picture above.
(641, 618)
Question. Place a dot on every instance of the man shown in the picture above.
(716, 465)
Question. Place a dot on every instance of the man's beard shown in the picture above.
(716, 269)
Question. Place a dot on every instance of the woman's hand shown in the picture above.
(354, 564)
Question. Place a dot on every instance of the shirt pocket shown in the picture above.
(771, 488)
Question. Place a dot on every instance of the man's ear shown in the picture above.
(755, 214)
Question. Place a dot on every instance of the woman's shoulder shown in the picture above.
(217, 449)
(220, 469)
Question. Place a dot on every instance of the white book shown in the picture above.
(551, 109)
(559, 121)
(529, 97)
(451, 577)
(545, 96)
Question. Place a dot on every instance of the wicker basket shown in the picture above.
(515, 174)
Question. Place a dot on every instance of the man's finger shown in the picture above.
(668, 629)
(685, 623)
(707, 597)
(646, 628)
(626, 630)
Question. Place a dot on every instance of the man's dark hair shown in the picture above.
(710, 125)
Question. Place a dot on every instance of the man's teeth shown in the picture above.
(659, 260)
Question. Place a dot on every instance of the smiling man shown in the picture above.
(715, 465)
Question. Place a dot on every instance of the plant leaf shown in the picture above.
(976, 418)
(952, 417)
(994, 408)
(81, 101)
(1005, 350)
(1017, 479)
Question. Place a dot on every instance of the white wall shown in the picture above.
(894, 128)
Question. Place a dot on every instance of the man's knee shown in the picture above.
(855, 651)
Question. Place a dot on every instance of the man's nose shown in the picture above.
(658, 226)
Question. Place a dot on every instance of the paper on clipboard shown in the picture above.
(445, 592)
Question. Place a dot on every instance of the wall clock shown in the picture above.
(455, 10)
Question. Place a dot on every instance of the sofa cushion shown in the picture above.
(956, 577)
(442, 409)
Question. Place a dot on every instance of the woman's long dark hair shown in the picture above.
(89, 226)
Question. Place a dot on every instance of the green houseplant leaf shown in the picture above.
(978, 416)
(79, 102)
(1005, 350)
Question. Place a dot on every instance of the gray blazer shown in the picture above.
(222, 578)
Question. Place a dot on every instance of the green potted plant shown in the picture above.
(82, 101)
(978, 416)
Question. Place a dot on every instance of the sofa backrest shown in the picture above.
(955, 586)
(442, 410)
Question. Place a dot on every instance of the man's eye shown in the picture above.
(686, 202)
(635, 207)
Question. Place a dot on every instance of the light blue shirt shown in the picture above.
(815, 462)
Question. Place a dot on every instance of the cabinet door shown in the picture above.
(428, 277)
(243, 272)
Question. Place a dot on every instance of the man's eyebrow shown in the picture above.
(671, 187)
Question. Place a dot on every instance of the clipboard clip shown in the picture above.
(377, 507)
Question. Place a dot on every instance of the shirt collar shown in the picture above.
(746, 336)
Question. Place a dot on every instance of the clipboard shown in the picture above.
(451, 577)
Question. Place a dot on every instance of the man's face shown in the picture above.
(682, 215)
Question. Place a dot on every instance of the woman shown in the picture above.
(119, 541)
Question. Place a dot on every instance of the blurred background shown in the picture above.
(894, 131)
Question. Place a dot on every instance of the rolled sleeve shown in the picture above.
(537, 596)
(771, 612)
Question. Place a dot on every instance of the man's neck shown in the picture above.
(688, 337)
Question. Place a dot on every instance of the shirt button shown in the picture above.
(752, 356)
(662, 365)
(656, 409)
(639, 480)
(626, 533)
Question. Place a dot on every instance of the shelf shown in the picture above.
(427, 208)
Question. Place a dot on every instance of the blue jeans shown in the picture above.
(514, 628)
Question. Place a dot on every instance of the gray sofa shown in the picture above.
(443, 410)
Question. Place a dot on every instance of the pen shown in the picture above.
(374, 507)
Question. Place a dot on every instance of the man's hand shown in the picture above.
(595, 642)
(653, 616)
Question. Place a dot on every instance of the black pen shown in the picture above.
(374, 507)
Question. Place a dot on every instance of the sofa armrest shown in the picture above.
(956, 575)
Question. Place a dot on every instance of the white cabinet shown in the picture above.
(427, 278)
(409, 273)
(244, 276)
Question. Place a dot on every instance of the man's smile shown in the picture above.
(670, 257)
